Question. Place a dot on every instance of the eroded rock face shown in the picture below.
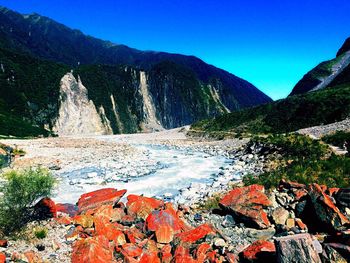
(296, 248)
(78, 114)
(247, 203)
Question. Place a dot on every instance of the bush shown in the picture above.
(295, 146)
(333, 172)
(21, 189)
(40, 232)
(337, 139)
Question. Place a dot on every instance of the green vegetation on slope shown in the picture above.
(290, 114)
(340, 138)
(21, 190)
(309, 162)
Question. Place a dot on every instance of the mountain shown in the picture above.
(328, 73)
(48, 70)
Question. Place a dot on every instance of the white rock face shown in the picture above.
(151, 123)
(77, 114)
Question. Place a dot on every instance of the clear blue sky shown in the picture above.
(271, 43)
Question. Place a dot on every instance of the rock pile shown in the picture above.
(295, 223)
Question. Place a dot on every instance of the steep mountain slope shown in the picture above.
(326, 73)
(126, 89)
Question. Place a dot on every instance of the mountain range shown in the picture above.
(54, 79)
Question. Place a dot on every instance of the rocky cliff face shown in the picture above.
(77, 114)
(127, 90)
(327, 73)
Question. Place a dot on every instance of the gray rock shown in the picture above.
(280, 215)
(296, 249)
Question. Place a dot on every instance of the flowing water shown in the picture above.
(162, 173)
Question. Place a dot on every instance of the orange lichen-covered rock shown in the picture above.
(182, 255)
(326, 211)
(166, 254)
(112, 231)
(141, 207)
(131, 250)
(92, 250)
(248, 203)
(150, 257)
(45, 208)
(2, 258)
(164, 234)
(95, 199)
(3, 243)
(201, 252)
(69, 209)
(195, 234)
(166, 217)
(259, 250)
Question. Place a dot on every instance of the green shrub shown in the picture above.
(21, 189)
(295, 146)
(337, 139)
(333, 172)
(40, 232)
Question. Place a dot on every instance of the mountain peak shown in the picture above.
(345, 47)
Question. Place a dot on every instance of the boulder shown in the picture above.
(91, 201)
(69, 209)
(45, 208)
(141, 207)
(91, 250)
(247, 204)
(3, 243)
(280, 215)
(328, 215)
(259, 251)
(296, 248)
(131, 250)
(167, 218)
(192, 236)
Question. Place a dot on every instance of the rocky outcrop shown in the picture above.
(77, 114)
(247, 204)
(296, 248)
(326, 74)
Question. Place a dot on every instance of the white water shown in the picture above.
(165, 172)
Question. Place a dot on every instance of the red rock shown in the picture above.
(196, 234)
(64, 220)
(151, 246)
(85, 221)
(134, 235)
(32, 257)
(166, 254)
(299, 194)
(112, 231)
(290, 185)
(92, 250)
(332, 191)
(150, 257)
(131, 250)
(258, 250)
(182, 255)
(164, 234)
(300, 224)
(104, 213)
(69, 209)
(201, 253)
(95, 199)
(45, 208)
(166, 217)
(326, 211)
(2, 258)
(3, 243)
(231, 258)
(248, 203)
(211, 256)
(141, 207)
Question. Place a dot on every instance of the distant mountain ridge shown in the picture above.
(182, 88)
(327, 74)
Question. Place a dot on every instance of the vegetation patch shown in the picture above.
(20, 190)
(309, 161)
(340, 139)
